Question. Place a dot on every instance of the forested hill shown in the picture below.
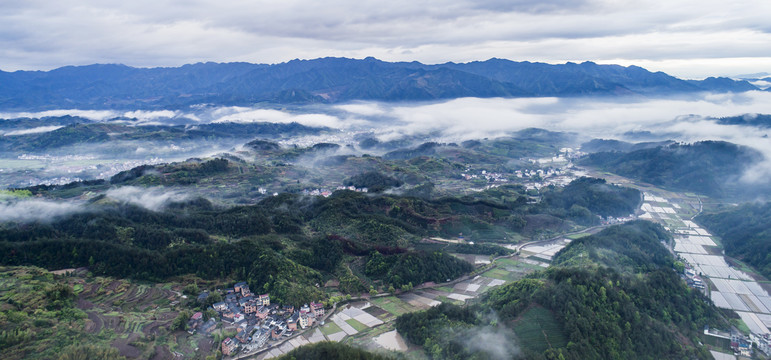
(613, 295)
(329, 80)
(712, 168)
(634, 247)
(745, 233)
(286, 244)
(759, 120)
(79, 131)
(331, 351)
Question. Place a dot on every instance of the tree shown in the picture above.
(191, 289)
(180, 322)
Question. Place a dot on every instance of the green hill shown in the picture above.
(745, 233)
(613, 295)
(713, 168)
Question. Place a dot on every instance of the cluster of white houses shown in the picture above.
(256, 319)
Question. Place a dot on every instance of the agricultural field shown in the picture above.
(393, 305)
(330, 328)
(47, 309)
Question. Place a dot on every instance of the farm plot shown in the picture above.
(753, 322)
(393, 305)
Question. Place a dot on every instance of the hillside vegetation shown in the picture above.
(613, 295)
(713, 168)
(745, 233)
(286, 244)
(331, 351)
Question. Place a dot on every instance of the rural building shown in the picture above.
(317, 309)
(229, 346)
(264, 299)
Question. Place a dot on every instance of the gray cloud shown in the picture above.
(43, 34)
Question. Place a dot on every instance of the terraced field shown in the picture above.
(134, 318)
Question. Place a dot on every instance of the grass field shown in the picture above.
(507, 262)
(497, 273)
(538, 330)
(741, 325)
(445, 299)
(356, 325)
(578, 236)
(330, 328)
(393, 305)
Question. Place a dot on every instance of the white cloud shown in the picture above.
(682, 119)
(143, 115)
(247, 115)
(36, 130)
(154, 199)
(35, 210)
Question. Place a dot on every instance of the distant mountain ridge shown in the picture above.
(330, 80)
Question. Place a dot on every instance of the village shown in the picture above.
(557, 170)
(257, 322)
(328, 193)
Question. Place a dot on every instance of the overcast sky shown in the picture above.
(686, 38)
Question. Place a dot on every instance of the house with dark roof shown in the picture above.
(262, 312)
(238, 286)
(244, 300)
(242, 336)
(291, 323)
(208, 326)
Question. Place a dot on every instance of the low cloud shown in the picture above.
(248, 115)
(31, 210)
(685, 119)
(37, 130)
(498, 343)
(154, 199)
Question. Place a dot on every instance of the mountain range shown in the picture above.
(330, 80)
